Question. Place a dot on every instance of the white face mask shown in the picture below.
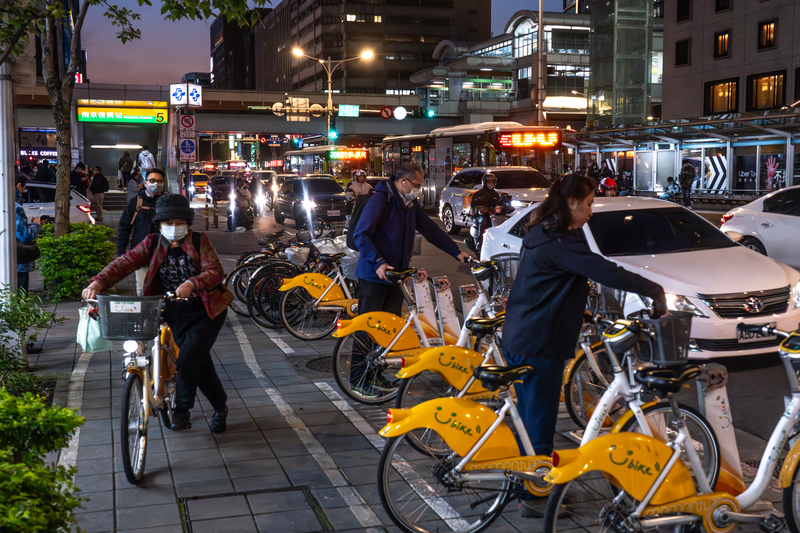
(174, 233)
(413, 195)
(154, 188)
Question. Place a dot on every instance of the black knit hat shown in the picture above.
(173, 206)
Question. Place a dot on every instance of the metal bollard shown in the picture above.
(216, 216)
(207, 214)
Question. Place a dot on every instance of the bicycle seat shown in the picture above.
(400, 275)
(665, 381)
(485, 326)
(330, 258)
(494, 376)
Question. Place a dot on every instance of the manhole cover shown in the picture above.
(320, 364)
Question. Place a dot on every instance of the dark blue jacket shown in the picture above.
(544, 311)
(385, 232)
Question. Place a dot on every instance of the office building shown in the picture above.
(233, 55)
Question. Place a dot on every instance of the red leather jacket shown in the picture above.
(209, 283)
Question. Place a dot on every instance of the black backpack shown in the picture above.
(358, 207)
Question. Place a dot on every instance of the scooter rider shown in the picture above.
(484, 201)
(356, 187)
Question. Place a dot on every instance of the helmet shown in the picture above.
(170, 206)
(489, 178)
(359, 173)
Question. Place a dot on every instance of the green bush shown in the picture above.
(69, 262)
(35, 496)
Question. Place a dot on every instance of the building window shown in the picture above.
(723, 5)
(377, 18)
(524, 36)
(683, 53)
(721, 44)
(766, 34)
(350, 18)
(684, 10)
(766, 91)
(720, 97)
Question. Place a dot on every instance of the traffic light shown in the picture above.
(295, 142)
(430, 113)
(334, 135)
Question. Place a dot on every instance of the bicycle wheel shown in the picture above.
(358, 381)
(237, 282)
(133, 429)
(302, 318)
(584, 389)
(263, 296)
(659, 417)
(415, 496)
(416, 390)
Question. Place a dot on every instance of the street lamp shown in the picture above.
(329, 67)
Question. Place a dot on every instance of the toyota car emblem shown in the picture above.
(753, 305)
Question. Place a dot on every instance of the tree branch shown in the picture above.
(74, 51)
(13, 43)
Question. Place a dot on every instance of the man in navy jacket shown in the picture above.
(384, 236)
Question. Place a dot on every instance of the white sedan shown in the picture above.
(769, 225)
(702, 270)
(40, 200)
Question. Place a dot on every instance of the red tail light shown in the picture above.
(85, 208)
(338, 324)
(403, 362)
(389, 416)
(556, 459)
(726, 217)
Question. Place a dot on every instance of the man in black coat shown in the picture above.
(76, 178)
(45, 174)
(137, 222)
(98, 188)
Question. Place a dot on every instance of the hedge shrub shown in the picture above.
(69, 262)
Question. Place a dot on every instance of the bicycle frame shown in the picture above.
(338, 280)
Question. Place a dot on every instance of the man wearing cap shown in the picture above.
(137, 220)
(185, 264)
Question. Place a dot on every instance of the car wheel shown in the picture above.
(449, 221)
(754, 244)
(279, 218)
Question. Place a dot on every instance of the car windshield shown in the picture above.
(654, 231)
(520, 179)
(319, 186)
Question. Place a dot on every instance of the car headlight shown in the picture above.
(676, 302)
(233, 198)
(191, 188)
(274, 188)
(261, 200)
(517, 203)
(308, 204)
(796, 295)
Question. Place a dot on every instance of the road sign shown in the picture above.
(274, 140)
(400, 112)
(188, 150)
(195, 95)
(262, 139)
(346, 110)
(277, 109)
(316, 110)
(386, 112)
(186, 129)
(178, 94)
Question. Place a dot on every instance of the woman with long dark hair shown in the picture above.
(545, 308)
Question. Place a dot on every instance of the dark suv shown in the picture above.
(315, 197)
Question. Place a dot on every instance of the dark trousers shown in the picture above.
(538, 397)
(195, 333)
(372, 296)
(687, 197)
(126, 176)
(23, 280)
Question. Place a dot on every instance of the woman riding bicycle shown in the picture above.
(545, 309)
(195, 276)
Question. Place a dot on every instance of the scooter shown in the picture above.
(497, 215)
(243, 217)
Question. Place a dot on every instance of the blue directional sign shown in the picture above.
(188, 150)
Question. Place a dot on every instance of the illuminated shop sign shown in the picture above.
(348, 110)
(416, 149)
(275, 163)
(38, 153)
(123, 115)
(347, 154)
(531, 139)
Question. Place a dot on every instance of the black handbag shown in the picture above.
(27, 253)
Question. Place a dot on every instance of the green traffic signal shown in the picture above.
(334, 135)
(430, 113)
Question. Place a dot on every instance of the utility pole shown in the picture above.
(540, 50)
(8, 223)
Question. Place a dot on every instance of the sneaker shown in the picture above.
(181, 420)
(218, 421)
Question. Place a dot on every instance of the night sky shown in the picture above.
(168, 50)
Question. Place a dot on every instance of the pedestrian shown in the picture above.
(545, 308)
(145, 161)
(45, 174)
(356, 187)
(672, 190)
(686, 177)
(138, 220)
(98, 188)
(134, 184)
(384, 235)
(178, 261)
(594, 174)
(26, 232)
(76, 178)
(125, 166)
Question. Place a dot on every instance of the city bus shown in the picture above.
(339, 161)
(444, 151)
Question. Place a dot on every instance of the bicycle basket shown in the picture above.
(129, 317)
(506, 266)
(669, 339)
(298, 254)
(327, 246)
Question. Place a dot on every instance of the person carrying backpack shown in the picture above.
(686, 178)
(184, 263)
(145, 161)
(384, 235)
(137, 220)
(356, 188)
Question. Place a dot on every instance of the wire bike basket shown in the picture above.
(506, 267)
(129, 317)
(669, 339)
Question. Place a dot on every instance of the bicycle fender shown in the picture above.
(461, 423)
(631, 461)
(453, 363)
(789, 466)
(315, 284)
(627, 415)
(382, 327)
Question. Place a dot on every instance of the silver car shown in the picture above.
(525, 185)
(40, 199)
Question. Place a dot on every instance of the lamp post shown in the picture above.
(329, 67)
